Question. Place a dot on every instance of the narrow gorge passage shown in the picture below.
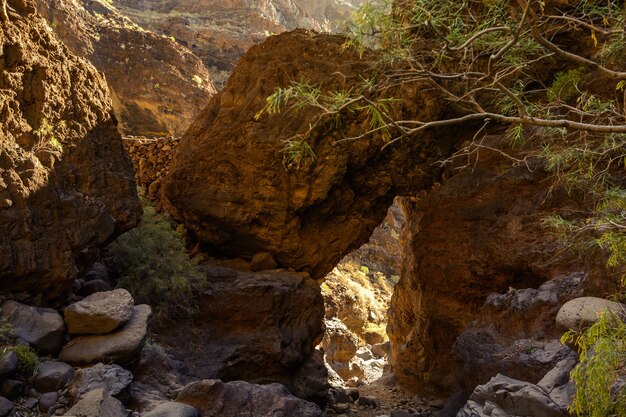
(226, 208)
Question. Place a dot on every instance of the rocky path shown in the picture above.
(382, 399)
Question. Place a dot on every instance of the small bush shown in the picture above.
(6, 331)
(154, 267)
(28, 361)
(597, 377)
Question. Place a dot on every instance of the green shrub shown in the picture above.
(602, 357)
(28, 361)
(154, 266)
(6, 330)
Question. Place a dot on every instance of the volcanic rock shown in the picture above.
(99, 313)
(172, 409)
(98, 402)
(340, 346)
(213, 398)
(507, 396)
(121, 346)
(47, 400)
(580, 313)
(52, 376)
(8, 364)
(258, 327)
(112, 378)
(6, 407)
(476, 250)
(66, 186)
(230, 186)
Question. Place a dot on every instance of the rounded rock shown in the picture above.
(53, 376)
(100, 313)
(580, 313)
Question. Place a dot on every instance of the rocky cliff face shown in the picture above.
(158, 87)
(66, 186)
(219, 32)
(228, 185)
(482, 278)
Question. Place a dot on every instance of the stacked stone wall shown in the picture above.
(151, 160)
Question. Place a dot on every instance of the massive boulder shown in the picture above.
(158, 86)
(227, 182)
(477, 261)
(66, 186)
(258, 327)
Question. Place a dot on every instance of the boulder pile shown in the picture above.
(110, 329)
(107, 327)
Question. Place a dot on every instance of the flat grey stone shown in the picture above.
(100, 313)
(504, 396)
(212, 397)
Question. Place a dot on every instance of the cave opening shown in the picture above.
(357, 295)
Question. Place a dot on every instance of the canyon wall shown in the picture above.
(158, 86)
(66, 185)
(219, 32)
(483, 277)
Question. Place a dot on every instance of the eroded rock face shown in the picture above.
(227, 182)
(480, 233)
(258, 327)
(66, 187)
(219, 32)
(158, 86)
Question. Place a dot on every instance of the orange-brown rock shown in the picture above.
(479, 234)
(158, 86)
(66, 185)
(219, 31)
(228, 184)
